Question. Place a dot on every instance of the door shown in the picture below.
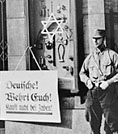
(53, 39)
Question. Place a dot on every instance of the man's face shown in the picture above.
(98, 41)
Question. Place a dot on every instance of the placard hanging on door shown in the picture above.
(29, 96)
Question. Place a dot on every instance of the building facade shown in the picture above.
(59, 33)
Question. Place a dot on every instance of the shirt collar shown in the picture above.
(97, 51)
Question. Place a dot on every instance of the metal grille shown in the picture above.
(3, 37)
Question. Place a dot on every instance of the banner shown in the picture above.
(29, 96)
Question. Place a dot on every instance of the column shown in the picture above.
(93, 18)
(17, 33)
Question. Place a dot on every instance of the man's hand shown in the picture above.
(89, 84)
(104, 85)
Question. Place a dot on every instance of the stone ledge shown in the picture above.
(71, 103)
(2, 130)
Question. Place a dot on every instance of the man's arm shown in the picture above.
(84, 74)
(114, 79)
(115, 64)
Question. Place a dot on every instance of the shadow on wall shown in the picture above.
(81, 47)
(2, 125)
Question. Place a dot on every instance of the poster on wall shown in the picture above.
(29, 96)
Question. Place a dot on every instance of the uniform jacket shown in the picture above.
(100, 66)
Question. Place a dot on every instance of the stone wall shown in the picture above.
(17, 33)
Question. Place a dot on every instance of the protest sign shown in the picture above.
(29, 96)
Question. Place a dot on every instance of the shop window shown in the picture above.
(52, 26)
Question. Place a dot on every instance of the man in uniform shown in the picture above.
(99, 72)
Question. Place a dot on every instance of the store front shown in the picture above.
(58, 33)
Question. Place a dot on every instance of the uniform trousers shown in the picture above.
(100, 102)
